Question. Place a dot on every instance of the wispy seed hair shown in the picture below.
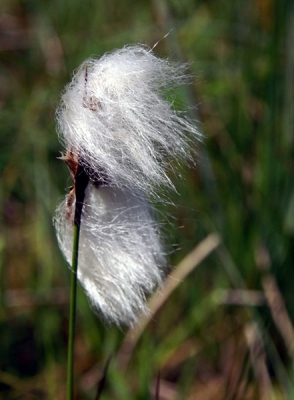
(120, 254)
(115, 120)
(116, 116)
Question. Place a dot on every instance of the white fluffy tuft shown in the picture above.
(120, 254)
(118, 119)
(115, 120)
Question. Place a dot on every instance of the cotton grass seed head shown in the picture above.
(124, 124)
(119, 133)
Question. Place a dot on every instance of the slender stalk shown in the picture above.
(72, 313)
(81, 180)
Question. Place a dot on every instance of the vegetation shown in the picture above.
(226, 331)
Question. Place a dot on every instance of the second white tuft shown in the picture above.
(120, 253)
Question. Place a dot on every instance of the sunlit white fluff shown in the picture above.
(117, 117)
(120, 253)
(115, 120)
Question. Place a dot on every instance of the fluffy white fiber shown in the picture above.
(116, 117)
(120, 254)
(115, 121)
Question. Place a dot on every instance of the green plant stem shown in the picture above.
(81, 180)
(72, 313)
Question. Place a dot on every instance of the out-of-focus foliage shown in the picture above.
(225, 332)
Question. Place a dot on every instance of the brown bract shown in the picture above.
(81, 174)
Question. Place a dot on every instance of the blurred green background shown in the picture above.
(226, 331)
